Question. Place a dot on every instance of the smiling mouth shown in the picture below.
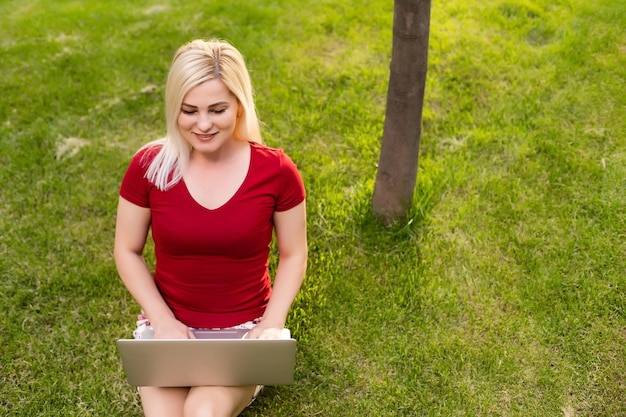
(205, 136)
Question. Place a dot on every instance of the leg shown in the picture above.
(163, 402)
(218, 401)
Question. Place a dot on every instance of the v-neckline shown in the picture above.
(229, 199)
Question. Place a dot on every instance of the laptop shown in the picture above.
(215, 357)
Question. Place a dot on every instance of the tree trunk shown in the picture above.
(397, 167)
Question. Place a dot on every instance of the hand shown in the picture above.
(172, 329)
(261, 332)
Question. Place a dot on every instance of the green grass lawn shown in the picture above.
(502, 293)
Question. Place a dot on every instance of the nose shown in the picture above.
(204, 122)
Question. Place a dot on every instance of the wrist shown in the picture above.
(268, 322)
(163, 319)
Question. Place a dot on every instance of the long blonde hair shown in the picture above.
(194, 63)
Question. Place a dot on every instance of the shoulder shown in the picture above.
(146, 154)
(273, 167)
(135, 187)
(267, 151)
(140, 162)
(270, 156)
(142, 159)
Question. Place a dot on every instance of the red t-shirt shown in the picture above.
(212, 265)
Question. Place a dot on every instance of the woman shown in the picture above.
(212, 196)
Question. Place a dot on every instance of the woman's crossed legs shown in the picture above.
(196, 401)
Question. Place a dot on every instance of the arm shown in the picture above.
(290, 227)
(131, 231)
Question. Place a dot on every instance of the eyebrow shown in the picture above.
(211, 106)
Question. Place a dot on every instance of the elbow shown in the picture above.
(122, 255)
(118, 256)
(296, 259)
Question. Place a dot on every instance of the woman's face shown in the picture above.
(208, 116)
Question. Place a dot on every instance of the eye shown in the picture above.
(184, 111)
(219, 111)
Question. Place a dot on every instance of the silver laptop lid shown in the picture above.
(212, 359)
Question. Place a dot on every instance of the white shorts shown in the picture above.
(144, 329)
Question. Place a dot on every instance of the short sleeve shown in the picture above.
(135, 187)
(292, 191)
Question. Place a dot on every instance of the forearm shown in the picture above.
(287, 282)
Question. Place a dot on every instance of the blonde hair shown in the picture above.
(194, 63)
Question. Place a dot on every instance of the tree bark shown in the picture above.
(399, 153)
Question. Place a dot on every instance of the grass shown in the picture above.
(502, 293)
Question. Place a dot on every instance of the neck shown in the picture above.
(226, 154)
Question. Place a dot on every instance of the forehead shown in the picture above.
(208, 93)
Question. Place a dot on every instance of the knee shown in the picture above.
(216, 401)
(206, 408)
(199, 410)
